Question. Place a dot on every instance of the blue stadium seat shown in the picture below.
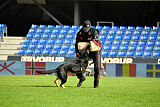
(54, 36)
(24, 46)
(46, 36)
(115, 48)
(48, 31)
(115, 28)
(41, 47)
(55, 53)
(37, 36)
(32, 30)
(32, 46)
(119, 37)
(64, 31)
(146, 33)
(66, 27)
(49, 47)
(56, 31)
(139, 54)
(129, 33)
(40, 31)
(125, 42)
(71, 53)
(158, 43)
(50, 26)
(147, 55)
(58, 27)
(154, 33)
(72, 31)
(117, 42)
(132, 48)
(148, 28)
(27, 41)
(120, 33)
(151, 43)
(152, 38)
(57, 47)
(131, 28)
(108, 42)
(29, 52)
(74, 27)
(112, 32)
(62, 36)
(107, 48)
(105, 54)
(137, 32)
(157, 48)
(35, 41)
(122, 54)
(21, 52)
(124, 48)
(70, 36)
(51, 41)
(123, 28)
(59, 41)
(139, 28)
(102, 37)
(104, 32)
(46, 52)
(106, 27)
(38, 52)
(127, 37)
(72, 47)
(30, 36)
(99, 27)
(149, 48)
(136, 37)
(63, 52)
(134, 43)
(158, 38)
(102, 42)
(130, 54)
(34, 26)
(141, 48)
(156, 55)
(68, 42)
(110, 37)
(42, 26)
(145, 38)
(66, 47)
(156, 28)
(113, 54)
(143, 43)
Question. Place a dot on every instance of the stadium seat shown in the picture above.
(129, 33)
(156, 55)
(149, 48)
(137, 32)
(46, 52)
(102, 42)
(54, 36)
(34, 26)
(99, 27)
(24, 46)
(48, 47)
(106, 28)
(107, 48)
(120, 33)
(64, 31)
(55, 53)
(72, 32)
(122, 54)
(125, 42)
(50, 27)
(158, 38)
(134, 43)
(30, 36)
(59, 41)
(119, 37)
(70, 36)
(27, 41)
(32, 46)
(62, 36)
(157, 48)
(57, 47)
(127, 37)
(151, 43)
(48, 31)
(40, 31)
(139, 28)
(123, 28)
(143, 43)
(158, 43)
(154, 33)
(112, 32)
(132, 48)
(66, 47)
(130, 54)
(117, 42)
(131, 28)
(156, 28)
(105, 54)
(37, 36)
(148, 28)
(104, 32)
(63, 53)
(58, 27)
(102, 37)
(113, 54)
(41, 47)
(56, 31)
(139, 54)
(152, 38)
(35, 41)
(108, 42)
(29, 52)
(32, 30)
(124, 48)
(136, 37)
(71, 53)
(146, 33)
(46, 36)
(72, 47)
(68, 42)
(147, 55)
(115, 28)
(110, 37)
(37, 52)
(74, 27)
(66, 27)
(21, 52)
(115, 48)
(51, 41)
(42, 26)
(141, 48)
(144, 38)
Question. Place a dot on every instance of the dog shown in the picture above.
(78, 65)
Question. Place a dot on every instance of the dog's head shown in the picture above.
(84, 64)
(84, 53)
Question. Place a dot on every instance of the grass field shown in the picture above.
(39, 91)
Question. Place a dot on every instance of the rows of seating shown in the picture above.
(121, 42)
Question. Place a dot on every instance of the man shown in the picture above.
(87, 34)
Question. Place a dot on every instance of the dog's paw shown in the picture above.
(62, 86)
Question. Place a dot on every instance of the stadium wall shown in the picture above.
(22, 67)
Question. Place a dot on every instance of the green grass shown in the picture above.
(40, 91)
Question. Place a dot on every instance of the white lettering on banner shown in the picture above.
(158, 61)
(117, 60)
(42, 59)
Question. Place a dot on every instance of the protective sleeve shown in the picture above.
(96, 39)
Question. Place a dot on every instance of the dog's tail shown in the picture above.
(47, 71)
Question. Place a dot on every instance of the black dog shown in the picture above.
(78, 65)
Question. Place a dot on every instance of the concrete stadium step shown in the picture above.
(10, 46)
(8, 52)
(12, 40)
